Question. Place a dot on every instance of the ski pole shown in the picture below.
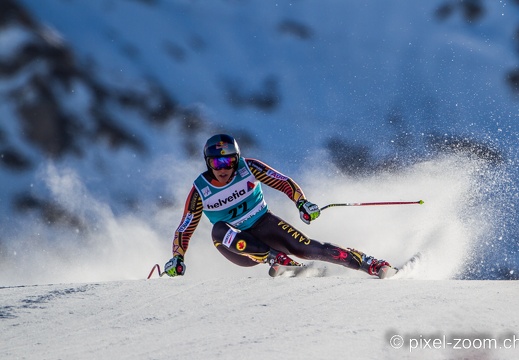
(420, 202)
(156, 266)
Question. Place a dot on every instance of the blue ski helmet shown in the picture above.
(221, 145)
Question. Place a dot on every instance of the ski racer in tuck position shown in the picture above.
(244, 230)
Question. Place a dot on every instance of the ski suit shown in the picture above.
(244, 229)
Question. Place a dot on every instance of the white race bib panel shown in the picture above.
(239, 203)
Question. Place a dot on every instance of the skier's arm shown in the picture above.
(190, 220)
(192, 214)
(276, 180)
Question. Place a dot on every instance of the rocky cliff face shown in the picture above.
(55, 106)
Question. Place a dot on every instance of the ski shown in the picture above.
(307, 270)
(407, 267)
(386, 272)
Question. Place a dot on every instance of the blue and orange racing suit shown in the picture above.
(244, 230)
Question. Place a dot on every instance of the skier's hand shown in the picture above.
(308, 211)
(175, 266)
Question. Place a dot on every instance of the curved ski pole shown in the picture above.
(420, 202)
(156, 266)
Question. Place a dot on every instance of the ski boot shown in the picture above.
(380, 268)
(280, 263)
(281, 258)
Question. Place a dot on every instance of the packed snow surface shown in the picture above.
(256, 317)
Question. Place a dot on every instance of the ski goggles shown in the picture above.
(222, 162)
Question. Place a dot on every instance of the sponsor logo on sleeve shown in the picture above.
(185, 223)
(257, 167)
(194, 200)
(276, 175)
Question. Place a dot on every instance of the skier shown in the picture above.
(244, 230)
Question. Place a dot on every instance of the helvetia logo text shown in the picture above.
(222, 202)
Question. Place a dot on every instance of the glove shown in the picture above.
(308, 211)
(175, 266)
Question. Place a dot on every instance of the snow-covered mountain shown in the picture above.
(106, 105)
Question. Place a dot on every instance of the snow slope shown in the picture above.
(250, 317)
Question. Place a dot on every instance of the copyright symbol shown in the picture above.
(396, 341)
